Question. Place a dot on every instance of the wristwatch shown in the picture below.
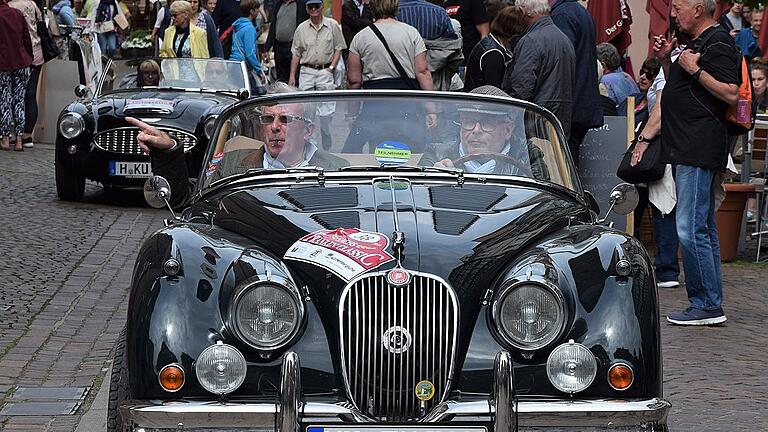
(332, 68)
(641, 138)
(697, 74)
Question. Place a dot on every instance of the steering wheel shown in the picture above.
(498, 157)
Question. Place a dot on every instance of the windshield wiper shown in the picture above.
(387, 167)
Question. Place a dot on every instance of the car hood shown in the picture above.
(465, 235)
(162, 104)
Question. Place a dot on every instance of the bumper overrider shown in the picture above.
(502, 412)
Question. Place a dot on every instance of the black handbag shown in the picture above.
(649, 169)
(47, 44)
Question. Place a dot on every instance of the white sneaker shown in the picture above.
(668, 284)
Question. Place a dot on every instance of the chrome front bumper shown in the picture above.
(503, 413)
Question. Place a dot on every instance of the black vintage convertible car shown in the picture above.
(180, 96)
(438, 268)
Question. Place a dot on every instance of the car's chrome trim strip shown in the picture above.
(503, 382)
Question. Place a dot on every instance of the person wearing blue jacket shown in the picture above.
(244, 41)
(64, 13)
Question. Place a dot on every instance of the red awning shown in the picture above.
(659, 14)
(612, 19)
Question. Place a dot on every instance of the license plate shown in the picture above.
(396, 429)
(130, 169)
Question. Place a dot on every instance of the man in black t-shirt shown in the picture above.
(473, 18)
(701, 85)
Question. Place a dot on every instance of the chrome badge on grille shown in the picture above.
(396, 339)
(398, 277)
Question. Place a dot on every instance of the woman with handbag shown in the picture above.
(32, 15)
(388, 54)
(103, 21)
(244, 44)
(16, 45)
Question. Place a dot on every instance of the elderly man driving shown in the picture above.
(488, 144)
(285, 129)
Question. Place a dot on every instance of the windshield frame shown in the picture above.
(340, 95)
(108, 64)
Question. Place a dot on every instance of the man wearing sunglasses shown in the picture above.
(316, 49)
(488, 143)
(283, 132)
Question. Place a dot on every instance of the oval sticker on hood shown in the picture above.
(149, 104)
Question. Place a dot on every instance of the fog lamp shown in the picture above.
(571, 367)
(220, 369)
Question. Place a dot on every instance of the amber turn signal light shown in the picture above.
(620, 376)
(172, 377)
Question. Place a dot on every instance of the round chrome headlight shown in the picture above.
(529, 316)
(220, 369)
(71, 125)
(266, 315)
(571, 367)
(209, 126)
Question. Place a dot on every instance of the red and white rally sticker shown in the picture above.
(347, 252)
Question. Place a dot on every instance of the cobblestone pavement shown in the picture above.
(65, 273)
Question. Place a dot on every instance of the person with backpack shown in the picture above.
(244, 42)
(702, 84)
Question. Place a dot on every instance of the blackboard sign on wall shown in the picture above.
(600, 154)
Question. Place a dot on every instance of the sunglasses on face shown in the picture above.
(314, 6)
(267, 119)
(486, 125)
(149, 72)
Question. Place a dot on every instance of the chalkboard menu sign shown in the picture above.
(600, 154)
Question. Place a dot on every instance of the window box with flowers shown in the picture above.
(138, 44)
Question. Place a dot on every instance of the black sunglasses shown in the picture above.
(314, 6)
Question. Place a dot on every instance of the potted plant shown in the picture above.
(729, 216)
(138, 44)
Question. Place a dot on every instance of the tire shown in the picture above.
(69, 185)
(118, 387)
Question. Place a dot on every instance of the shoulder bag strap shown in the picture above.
(398, 66)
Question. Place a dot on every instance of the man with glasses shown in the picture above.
(317, 45)
(282, 133)
(489, 142)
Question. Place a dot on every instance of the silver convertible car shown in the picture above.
(385, 261)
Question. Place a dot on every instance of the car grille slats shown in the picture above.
(123, 140)
(394, 337)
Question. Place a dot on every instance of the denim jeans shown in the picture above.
(697, 232)
(108, 43)
(665, 236)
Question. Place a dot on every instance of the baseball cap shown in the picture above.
(309, 2)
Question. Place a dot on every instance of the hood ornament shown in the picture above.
(398, 237)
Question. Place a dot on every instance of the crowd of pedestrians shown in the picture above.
(543, 51)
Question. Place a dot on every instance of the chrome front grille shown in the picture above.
(395, 337)
(123, 140)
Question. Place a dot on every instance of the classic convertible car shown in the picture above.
(411, 277)
(180, 96)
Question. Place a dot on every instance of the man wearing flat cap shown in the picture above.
(488, 143)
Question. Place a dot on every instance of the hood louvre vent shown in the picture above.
(467, 197)
(347, 219)
(321, 198)
(453, 223)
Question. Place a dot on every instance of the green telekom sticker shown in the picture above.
(392, 153)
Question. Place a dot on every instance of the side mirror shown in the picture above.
(243, 94)
(624, 198)
(81, 91)
(157, 192)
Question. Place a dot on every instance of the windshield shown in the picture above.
(347, 130)
(185, 73)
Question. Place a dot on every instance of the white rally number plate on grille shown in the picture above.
(396, 429)
(130, 169)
